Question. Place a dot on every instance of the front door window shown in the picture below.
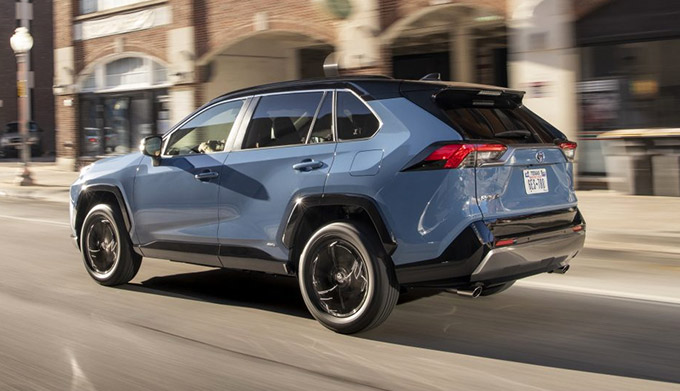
(205, 133)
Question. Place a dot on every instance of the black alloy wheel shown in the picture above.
(346, 279)
(106, 247)
(102, 246)
(339, 277)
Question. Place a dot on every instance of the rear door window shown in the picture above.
(282, 119)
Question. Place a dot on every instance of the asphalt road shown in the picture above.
(183, 327)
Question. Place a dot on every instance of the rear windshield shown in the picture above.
(475, 117)
(505, 124)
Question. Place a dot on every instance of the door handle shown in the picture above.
(206, 175)
(307, 165)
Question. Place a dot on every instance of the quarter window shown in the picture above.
(282, 119)
(206, 132)
(355, 120)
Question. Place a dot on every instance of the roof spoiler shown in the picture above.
(450, 97)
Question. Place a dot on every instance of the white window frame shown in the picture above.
(105, 5)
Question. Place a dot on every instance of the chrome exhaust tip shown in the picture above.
(473, 293)
(560, 270)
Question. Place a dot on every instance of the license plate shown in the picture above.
(536, 181)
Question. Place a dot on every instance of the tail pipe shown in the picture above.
(472, 292)
(560, 270)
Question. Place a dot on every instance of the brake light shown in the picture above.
(92, 140)
(505, 242)
(463, 155)
(569, 149)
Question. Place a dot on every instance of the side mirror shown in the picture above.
(151, 146)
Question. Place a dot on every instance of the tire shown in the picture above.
(106, 247)
(346, 279)
(493, 290)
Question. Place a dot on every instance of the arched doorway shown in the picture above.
(264, 57)
(461, 42)
(122, 99)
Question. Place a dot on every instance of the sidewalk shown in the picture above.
(631, 223)
(51, 183)
(615, 221)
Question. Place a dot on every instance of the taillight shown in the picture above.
(569, 149)
(505, 242)
(462, 155)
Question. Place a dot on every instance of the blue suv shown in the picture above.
(362, 187)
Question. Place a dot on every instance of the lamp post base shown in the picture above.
(24, 178)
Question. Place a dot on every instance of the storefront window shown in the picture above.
(643, 85)
(115, 124)
(122, 101)
(626, 86)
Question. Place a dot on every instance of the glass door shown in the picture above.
(116, 125)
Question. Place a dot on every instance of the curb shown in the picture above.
(612, 294)
(628, 247)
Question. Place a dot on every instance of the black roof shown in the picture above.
(368, 87)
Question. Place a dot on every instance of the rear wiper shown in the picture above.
(514, 134)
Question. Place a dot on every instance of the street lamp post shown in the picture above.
(21, 43)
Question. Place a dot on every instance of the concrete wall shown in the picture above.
(251, 62)
(543, 61)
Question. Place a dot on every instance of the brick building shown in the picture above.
(37, 17)
(126, 69)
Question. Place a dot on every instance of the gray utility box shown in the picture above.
(666, 166)
(643, 161)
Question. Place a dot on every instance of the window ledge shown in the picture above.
(98, 14)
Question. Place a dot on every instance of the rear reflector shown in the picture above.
(504, 242)
(577, 228)
(568, 148)
(462, 155)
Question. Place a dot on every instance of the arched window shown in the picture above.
(126, 73)
(89, 6)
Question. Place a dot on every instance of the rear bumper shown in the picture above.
(537, 256)
(474, 258)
